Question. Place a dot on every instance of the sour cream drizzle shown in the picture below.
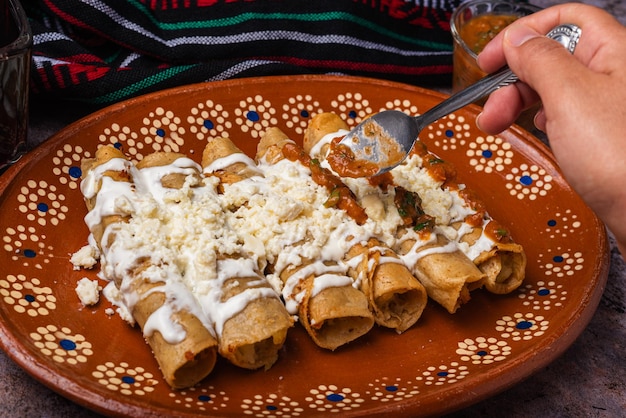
(361, 188)
(443, 203)
(300, 229)
(278, 214)
(178, 234)
(285, 211)
(149, 181)
(229, 160)
(128, 261)
(456, 209)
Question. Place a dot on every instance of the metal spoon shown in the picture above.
(385, 139)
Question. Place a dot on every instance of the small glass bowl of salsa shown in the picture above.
(473, 25)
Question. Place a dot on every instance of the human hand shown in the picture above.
(583, 100)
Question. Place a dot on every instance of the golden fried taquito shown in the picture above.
(250, 321)
(183, 361)
(329, 307)
(395, 297)
(446, 273)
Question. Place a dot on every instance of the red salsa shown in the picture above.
(479, 30)
(342, 160)
(340, 195)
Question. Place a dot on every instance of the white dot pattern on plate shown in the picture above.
(333, 399)
(490, 154)
(61, 345)
(528, 182)
(389, 390)
(563, 224)
(209, 120)
(561, 263)
(117, 134)
(162, 131)
(522, 326)
(449, 133)
(67, 162)
(403, 105)
(42, 205)
(482, 350)
(254, 115)
(273, 405)
(125, 379)
(543, 295)
(443, 374)
(201, 399)
(351, 107)
(27, 296)
(26, 246)
(298, 111)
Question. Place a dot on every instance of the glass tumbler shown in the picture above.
(15, 54)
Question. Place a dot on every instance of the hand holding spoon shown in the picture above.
(383, 141)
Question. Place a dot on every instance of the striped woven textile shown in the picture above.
(104, 51)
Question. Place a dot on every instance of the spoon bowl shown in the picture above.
(382, 141)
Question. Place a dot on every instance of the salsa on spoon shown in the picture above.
(383, 141)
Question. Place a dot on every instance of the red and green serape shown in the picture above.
(104, 51)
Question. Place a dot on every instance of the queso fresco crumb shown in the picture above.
(88, 291)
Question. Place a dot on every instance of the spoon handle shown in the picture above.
(478, 90)
(567, 35)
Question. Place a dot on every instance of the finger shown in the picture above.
(540, 62)
(504, 106)
(593, 21)
(500, 110)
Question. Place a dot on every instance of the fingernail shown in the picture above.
(517, 35)
(540, 120)
(478, 120)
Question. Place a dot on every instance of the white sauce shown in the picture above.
(445, 205)
(181, 233)
(227, 161)
(197, 240)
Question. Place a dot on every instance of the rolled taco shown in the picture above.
(250, 321)
(315, 285)
(185, 349)
(483, 239)
(441, 267)
(316, 308)
(396, 298)
(222, 158)
(495, 253)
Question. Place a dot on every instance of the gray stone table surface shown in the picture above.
(588, 380)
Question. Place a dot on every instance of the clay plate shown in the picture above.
(443, 363)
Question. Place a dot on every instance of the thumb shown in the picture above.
(536, 59)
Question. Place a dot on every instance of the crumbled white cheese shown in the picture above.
(436, 201)
(278, 217)
(88, 291)
(114, 296)
(285, 211)
(84, 258)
